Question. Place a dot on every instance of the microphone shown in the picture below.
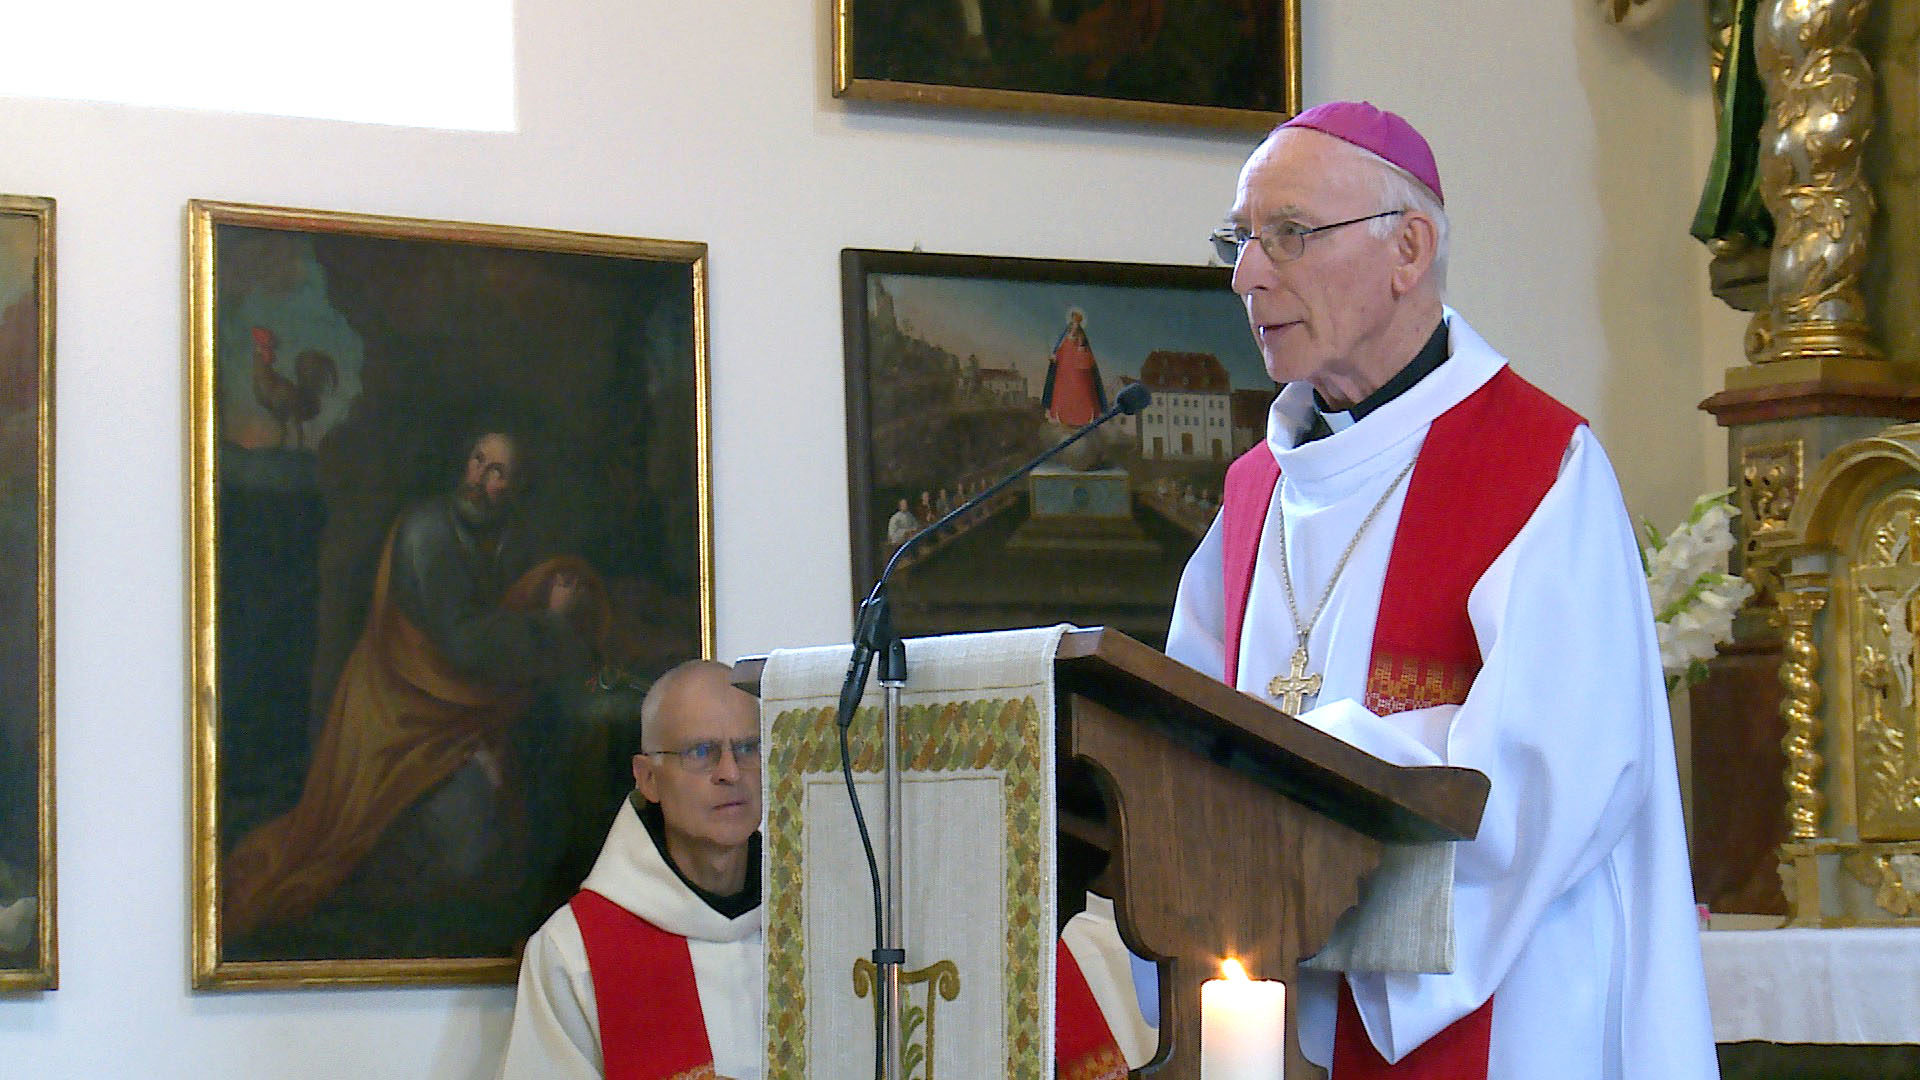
(873, 629)
(874, 634)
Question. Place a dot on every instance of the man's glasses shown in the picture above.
(703, 756)
(1282, 243)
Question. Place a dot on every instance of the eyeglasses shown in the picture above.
(1282, 243)
(704, 756)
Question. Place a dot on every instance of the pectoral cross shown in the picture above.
(1295, 687)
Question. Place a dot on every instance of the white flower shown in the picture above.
(1694, 598)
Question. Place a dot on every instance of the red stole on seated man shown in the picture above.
(651, 1026)
(1083, 1045)
(1482, 471)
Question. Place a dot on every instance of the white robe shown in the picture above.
(1574, 902)
(556, 1023)
(1093, 937)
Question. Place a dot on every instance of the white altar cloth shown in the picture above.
(1814, 986)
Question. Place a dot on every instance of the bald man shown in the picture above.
(654, 970)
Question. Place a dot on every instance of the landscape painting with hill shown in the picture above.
(960, 368)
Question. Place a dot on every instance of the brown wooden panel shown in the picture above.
(1739, 796)
(1212, 865)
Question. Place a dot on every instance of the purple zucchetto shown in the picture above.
(1378, 130)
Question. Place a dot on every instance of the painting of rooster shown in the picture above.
(291, 402)
(455, 524)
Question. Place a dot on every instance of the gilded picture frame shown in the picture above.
(1226, 64)
(951, 382)
(29, 953)
(450, 516)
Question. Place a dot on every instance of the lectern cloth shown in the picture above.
(1574, 900)
(977, 746)
(556, 1023)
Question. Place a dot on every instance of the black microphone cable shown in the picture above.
(873, 634)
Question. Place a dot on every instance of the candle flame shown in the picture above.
(1231, 968)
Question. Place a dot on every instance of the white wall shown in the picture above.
(1571, 154)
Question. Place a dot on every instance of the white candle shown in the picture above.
(1243, 1026)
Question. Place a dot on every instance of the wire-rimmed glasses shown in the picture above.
(1282, 243)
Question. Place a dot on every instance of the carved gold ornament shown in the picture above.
(1894, 879)
(1820, 94)
(1886, 587)
(1769, 484)
(1633, 14)
(1797, 605)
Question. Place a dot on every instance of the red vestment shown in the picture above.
(1490, 459)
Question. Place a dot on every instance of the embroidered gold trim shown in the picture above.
(1103, 1064)
(941, 980)
(1399, 683)
(997, 734)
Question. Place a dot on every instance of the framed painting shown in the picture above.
(450, 518)
(29, 958)
(1231, 64)
(962, 367)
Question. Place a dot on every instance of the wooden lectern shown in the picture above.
(1225, 827)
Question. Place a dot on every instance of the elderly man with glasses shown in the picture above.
(654, 969)
(1428, 558)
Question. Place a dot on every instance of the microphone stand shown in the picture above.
(874, 635)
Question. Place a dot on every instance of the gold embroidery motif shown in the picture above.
(942, 980)
(698, 1072)
(1000, 734)
(1399, 683)
(1103, 1064)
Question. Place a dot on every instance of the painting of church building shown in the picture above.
(1191, 416)
(960, 369)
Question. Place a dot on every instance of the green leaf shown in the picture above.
(1707, 502)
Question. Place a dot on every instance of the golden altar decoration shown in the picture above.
(1847, 604)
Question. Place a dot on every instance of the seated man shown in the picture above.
(654, 970)
(1092, 942)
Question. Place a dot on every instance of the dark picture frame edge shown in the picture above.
(44, 974)
(848, 85)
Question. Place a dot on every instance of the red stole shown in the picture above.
(1482, 471)
(651, 1026)
(1083, 1045)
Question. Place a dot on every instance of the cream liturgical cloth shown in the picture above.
(1574, 902)
(977, 746)
(556, 1023)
